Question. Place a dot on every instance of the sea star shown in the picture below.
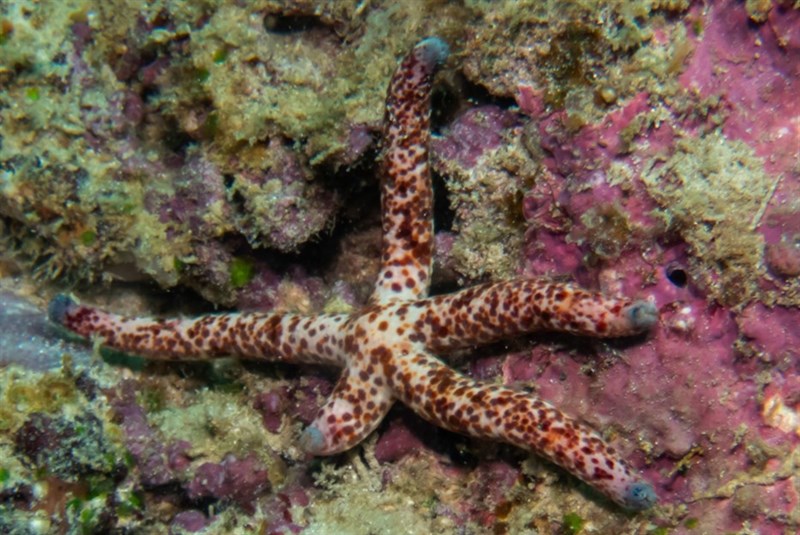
(387, 348)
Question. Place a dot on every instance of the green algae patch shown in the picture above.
(33, 94)
(88, 237)
(572, 523)
(713, 192)
(241, 272)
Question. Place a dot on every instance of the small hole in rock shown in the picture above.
(677, 276)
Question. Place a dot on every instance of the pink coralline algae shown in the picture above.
(758, 69)
(239, 481)
(297, 402)
(158, 463)
(712, 394)
(189, 521)
(474, 133)
(70, 448)
(397, 441)
(198, 186)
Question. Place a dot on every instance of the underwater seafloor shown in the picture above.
(170, 157)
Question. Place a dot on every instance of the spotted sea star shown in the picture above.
(387, 348)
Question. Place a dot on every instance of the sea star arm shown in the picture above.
(491, 312)
(406, 196)
(355, 408)
(283, 337)
(458, 403)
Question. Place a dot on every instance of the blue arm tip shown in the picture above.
(640, 496)
(434, 49)
(59, 307)
(312, 441)
(643, 314)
